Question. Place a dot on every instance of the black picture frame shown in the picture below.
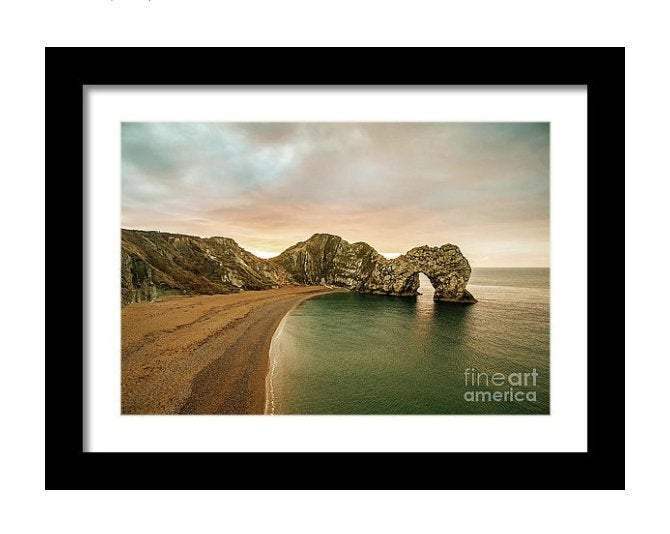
(69, 70)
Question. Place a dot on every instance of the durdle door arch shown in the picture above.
(158, 263)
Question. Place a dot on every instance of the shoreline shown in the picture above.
(269, 392)
(272, 360)
(206, 354)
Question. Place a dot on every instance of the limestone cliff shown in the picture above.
(329, 259)
(155, 263)
(445, 266)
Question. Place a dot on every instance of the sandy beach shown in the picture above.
(204, 354)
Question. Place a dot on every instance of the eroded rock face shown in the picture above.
(328, 259)
(445, 266)
(156, 263)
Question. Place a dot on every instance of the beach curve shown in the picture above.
(206, 354)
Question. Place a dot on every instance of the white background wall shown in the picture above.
(25, 27)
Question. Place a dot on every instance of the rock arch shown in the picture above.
(446, 268)
(329, 259)
(155, 263)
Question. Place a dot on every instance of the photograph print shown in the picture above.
(335, 268)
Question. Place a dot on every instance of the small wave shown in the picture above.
(273, 355)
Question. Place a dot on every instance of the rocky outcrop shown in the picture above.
(329, 259)
(446, 268)
(156, 263)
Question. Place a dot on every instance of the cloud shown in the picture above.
(484, 186)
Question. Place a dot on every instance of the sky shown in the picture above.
(481, 186)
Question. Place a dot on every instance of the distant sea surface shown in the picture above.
(347, 353)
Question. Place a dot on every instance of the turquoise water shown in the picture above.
(346, 353)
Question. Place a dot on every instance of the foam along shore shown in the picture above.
(205, 354)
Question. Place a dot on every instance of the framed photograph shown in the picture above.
(391, 268)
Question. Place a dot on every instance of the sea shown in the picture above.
(349, 353)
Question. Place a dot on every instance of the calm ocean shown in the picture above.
(346, 353)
